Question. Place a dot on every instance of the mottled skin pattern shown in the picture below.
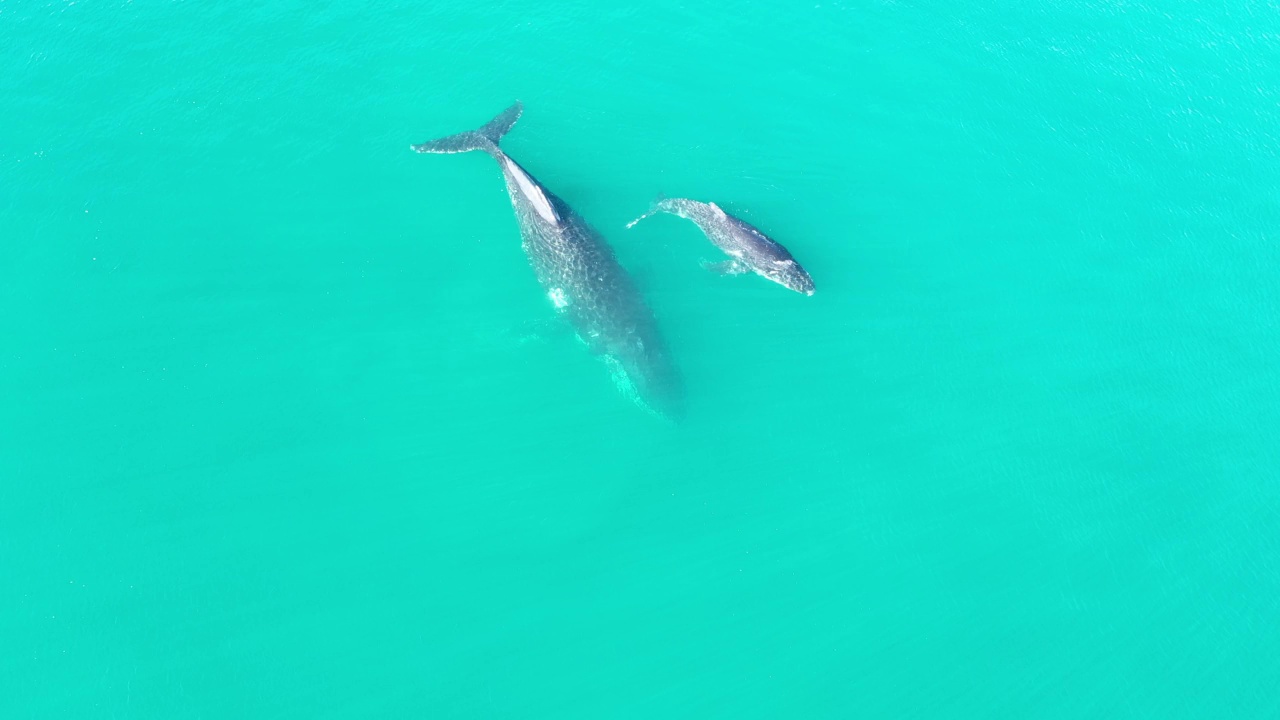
(585, 282)
(751, 250)
(593, 292)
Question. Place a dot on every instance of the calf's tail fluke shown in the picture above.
(655, 207)
(485, 138)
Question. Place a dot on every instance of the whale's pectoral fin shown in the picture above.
(728, 267)
(595, 344)
(542, 330)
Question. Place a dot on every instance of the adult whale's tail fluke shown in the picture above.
(485, 138)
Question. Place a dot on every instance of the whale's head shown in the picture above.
(790, 275)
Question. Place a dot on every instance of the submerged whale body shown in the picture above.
(581, 276)
(751, 250)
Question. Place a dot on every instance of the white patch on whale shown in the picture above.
(719, 213)
(558, 298)
(531, 191)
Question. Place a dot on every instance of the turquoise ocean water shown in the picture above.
(284, 432)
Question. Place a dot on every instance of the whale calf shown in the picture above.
(751, 250)
(580, 275)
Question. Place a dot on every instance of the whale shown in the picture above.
(583, 280)
(750, 249)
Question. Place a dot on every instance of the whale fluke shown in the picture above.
(655, 207)
(485, 138)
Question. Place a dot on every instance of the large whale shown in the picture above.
(751, 250)
(581, 276)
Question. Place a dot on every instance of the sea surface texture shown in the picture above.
(288, 428)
